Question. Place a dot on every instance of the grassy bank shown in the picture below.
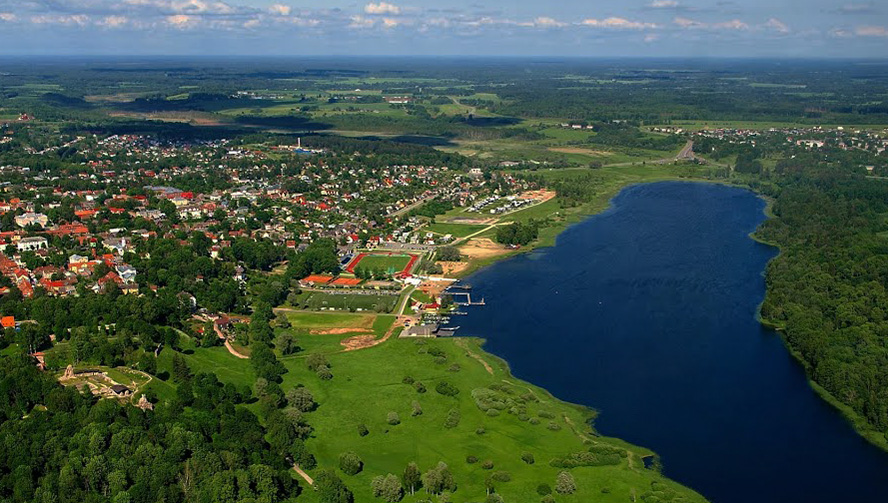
(456, 427)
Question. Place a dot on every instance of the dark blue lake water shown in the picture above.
(647, 312)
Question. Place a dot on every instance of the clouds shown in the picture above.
(500, 26)
(382, 8)
(618, 23)
(872, 31)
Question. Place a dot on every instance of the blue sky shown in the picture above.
(656, 28)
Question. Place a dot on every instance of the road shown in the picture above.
(687, 153)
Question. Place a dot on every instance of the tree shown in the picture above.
(392, 418)
(565, 484)
(350, 463)
(286, 343)
(301, 399)
(388, 488)
(181, 372)
(412, 478)
(449, 254)
(331, 489)
(439, 479)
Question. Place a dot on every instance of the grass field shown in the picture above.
(368, 384)
(390, 263)
(347, 302)
(455, 230)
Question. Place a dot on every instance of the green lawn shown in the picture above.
(347, 302)
(455, 230)
(390, 263)
(368, 384)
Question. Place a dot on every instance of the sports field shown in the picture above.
(391, 263)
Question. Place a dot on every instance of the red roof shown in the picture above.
(318, 278)
(8, 321)
(347, 281)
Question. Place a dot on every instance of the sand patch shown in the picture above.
(481, 248)
(451, 268)
(339, 331)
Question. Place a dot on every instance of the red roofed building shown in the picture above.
(25, 287)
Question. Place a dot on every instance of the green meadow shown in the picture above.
(481, 428)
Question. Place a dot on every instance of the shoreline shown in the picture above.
(594, 208)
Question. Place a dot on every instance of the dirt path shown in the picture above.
(299, 471)
(228, 344)
(573, 428)
(463, 344)
(362, 341)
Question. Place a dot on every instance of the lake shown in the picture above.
(647, 313)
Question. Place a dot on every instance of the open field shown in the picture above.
(368, 385)
(347, 302)
(455, 230)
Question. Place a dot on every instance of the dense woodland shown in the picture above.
(827, 288)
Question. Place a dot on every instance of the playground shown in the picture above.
(393, 264)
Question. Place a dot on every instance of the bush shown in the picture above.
(544, 489)
(471, 460)
(565, 484)
(453, 417)
(350, 463)
(487, 464)
(393, 419)
(324, 373)
(362, 430)
(501, 476)
(316, 361)
(408, 380)
(301, 399)
(420, 387)
(446, 389)
(527, 457)
(417, 409)
(480, 430)
(546, 414)
(554, 426)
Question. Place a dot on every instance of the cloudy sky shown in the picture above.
(682, 28)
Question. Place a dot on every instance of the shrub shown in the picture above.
(527, 457)
(324, 373)
(420, 387)
(350, 463)
(316, 361)
(565, 484)
(455, 367)
(393, 419)
(446, 389)
(408, 380)
(453, 417)
(362, 430)
(301, 399)
(544, 489)
(471, 460)
(487, 464)
(480, 430)
(501, 476)
(553, 426)
(546, 414)
(492, 412)
(417, 409)
(440, 360)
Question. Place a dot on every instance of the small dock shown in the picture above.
(468, 301)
